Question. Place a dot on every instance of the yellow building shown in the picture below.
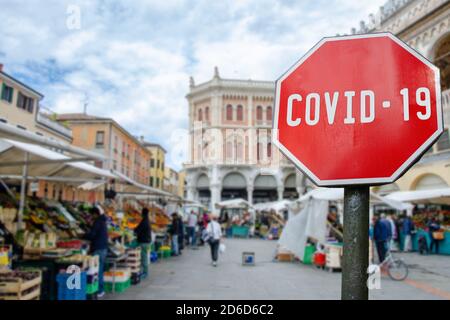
(182, 184)
(20, 107)
(157, 164)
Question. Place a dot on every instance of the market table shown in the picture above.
(113, 261)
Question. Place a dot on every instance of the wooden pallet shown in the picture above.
(19, 289)
(134, 253)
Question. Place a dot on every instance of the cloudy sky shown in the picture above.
(133, 58)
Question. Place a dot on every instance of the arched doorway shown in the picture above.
(442, 60)
(234, 186)
(430, 181)
(290, 187)
(265, 189)
(204, 193)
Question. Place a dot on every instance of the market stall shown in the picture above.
(237, 217)
(271, 218)
(428, 203)
(316, 223)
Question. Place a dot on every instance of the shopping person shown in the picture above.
(214, 232)
(407, 230)
(144, 238)
(98, 235)
(433, 226)
(174, 232)
(192, 225)
(381, 237)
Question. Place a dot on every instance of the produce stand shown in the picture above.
(315, 218)
(427, 201)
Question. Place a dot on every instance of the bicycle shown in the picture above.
(397, 269)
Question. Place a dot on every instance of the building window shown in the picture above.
(100, 139)
(207, 114)
(240, 113)
(444, 142)
(25, 103)
(114, 164)
(162, 166)
(152, 163)
(151, 181)
(259, 113)
(269, 150)
(269, 113)
(158, 164)
(229, 112)
(7, 93)
(200, 115)
(157, 182)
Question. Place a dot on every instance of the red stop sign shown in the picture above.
(357, 110)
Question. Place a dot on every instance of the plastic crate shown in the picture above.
(240, 231)
(119, 287)
(64, 293)
(153, 257)
(92, 288)
(308, 256)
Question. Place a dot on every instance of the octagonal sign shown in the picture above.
(357, 110)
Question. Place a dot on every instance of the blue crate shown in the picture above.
(64, 293)
(153, 257)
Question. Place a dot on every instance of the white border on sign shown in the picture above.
(407, 163)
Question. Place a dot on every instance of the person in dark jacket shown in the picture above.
(175, 231)
(144, 238)
(98, 235)
(381, 236)
(181, 236)
(433, 226)
(407, 231)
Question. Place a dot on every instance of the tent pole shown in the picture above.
(22, 192)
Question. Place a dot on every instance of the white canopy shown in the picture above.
(437, 196)
(233, 204)
(337, 194)
(276, 206)
(133, 186)
(53, 164)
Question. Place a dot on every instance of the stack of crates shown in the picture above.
(133, 262)
(164, 252)
(92, 278)
(120, 280)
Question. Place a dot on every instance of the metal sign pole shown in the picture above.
(355, 260)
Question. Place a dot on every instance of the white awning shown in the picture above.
(276, 206)
(337, 194)
(44, 162)
(436, 196)
(133, 186)
(233, 204)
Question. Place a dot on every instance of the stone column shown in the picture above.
(280, 190)
(250, 189)
(216, 196)
(190, 193)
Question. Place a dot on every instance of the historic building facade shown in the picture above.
(231, 152)
(425, 26)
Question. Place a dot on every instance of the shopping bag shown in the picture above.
(438, 235)
(222, 248)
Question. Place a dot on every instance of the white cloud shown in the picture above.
(133, 58)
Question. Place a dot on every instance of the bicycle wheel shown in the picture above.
(398, 270)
